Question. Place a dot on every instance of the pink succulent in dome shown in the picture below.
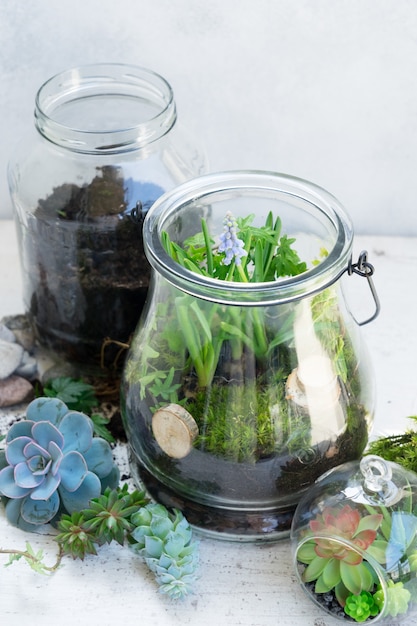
(334, 555)
(347, 524)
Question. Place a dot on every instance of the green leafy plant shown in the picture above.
(401, 448)
(256, 255)
(79, 396)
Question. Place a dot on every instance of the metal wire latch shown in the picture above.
(365, 269)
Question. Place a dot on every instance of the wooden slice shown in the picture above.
(175, 430)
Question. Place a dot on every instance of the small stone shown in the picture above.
(15, 390)
(10, 358)
(28, 368)
(6, 334)
(21, 328)
(60, 370)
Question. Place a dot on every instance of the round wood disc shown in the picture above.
(175, 430)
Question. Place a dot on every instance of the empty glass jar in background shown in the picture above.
(236, 396)
(106, 146)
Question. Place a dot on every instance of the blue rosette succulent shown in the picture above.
(52, 464)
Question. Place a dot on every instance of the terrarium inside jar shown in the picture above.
(107, 144)
(354, 542)
(247, 377)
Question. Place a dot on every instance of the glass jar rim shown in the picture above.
(83, 82)
(315, 279)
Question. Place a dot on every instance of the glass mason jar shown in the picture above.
(236, 396)
(354, 542)
(107, 146)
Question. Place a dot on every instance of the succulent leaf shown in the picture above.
(73, 469)
(8, 485)
(99, 457)
(154, 546)
(46, 409)
(351, 576)
(44, 433)
(39, 512)
(80, 498)
(331, 574)
(15, 451)
(26, 477)
(77, 430)
(314, 569)
(19, 429)
(46, 488)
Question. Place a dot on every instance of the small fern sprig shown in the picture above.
(35, 560)
(165, 541)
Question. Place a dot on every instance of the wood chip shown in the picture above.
(175, 430)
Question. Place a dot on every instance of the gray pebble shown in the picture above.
(28, 367)
(60, 370)
(15, 390)
(6, 334)
(11, 355)
(21, 328)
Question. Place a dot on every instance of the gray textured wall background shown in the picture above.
(322, 89)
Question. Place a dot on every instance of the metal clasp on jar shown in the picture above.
(365, 269)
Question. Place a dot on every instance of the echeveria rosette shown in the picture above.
(361, 607)
(395, 601)
(52, 463)
(165, 541)
(330, 560)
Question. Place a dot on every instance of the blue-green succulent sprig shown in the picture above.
(165, 542)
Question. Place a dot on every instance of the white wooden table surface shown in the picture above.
(239, 584)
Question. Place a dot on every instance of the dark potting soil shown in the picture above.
(245, 499)
(88, 275)
(329, 603)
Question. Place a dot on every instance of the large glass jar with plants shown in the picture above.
(106, 145)
(247, 377)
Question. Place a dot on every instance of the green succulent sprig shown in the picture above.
(397, 598)
(162, 538)
(362, 606)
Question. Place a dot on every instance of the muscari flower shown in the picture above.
(230, 244)
(52, 463)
